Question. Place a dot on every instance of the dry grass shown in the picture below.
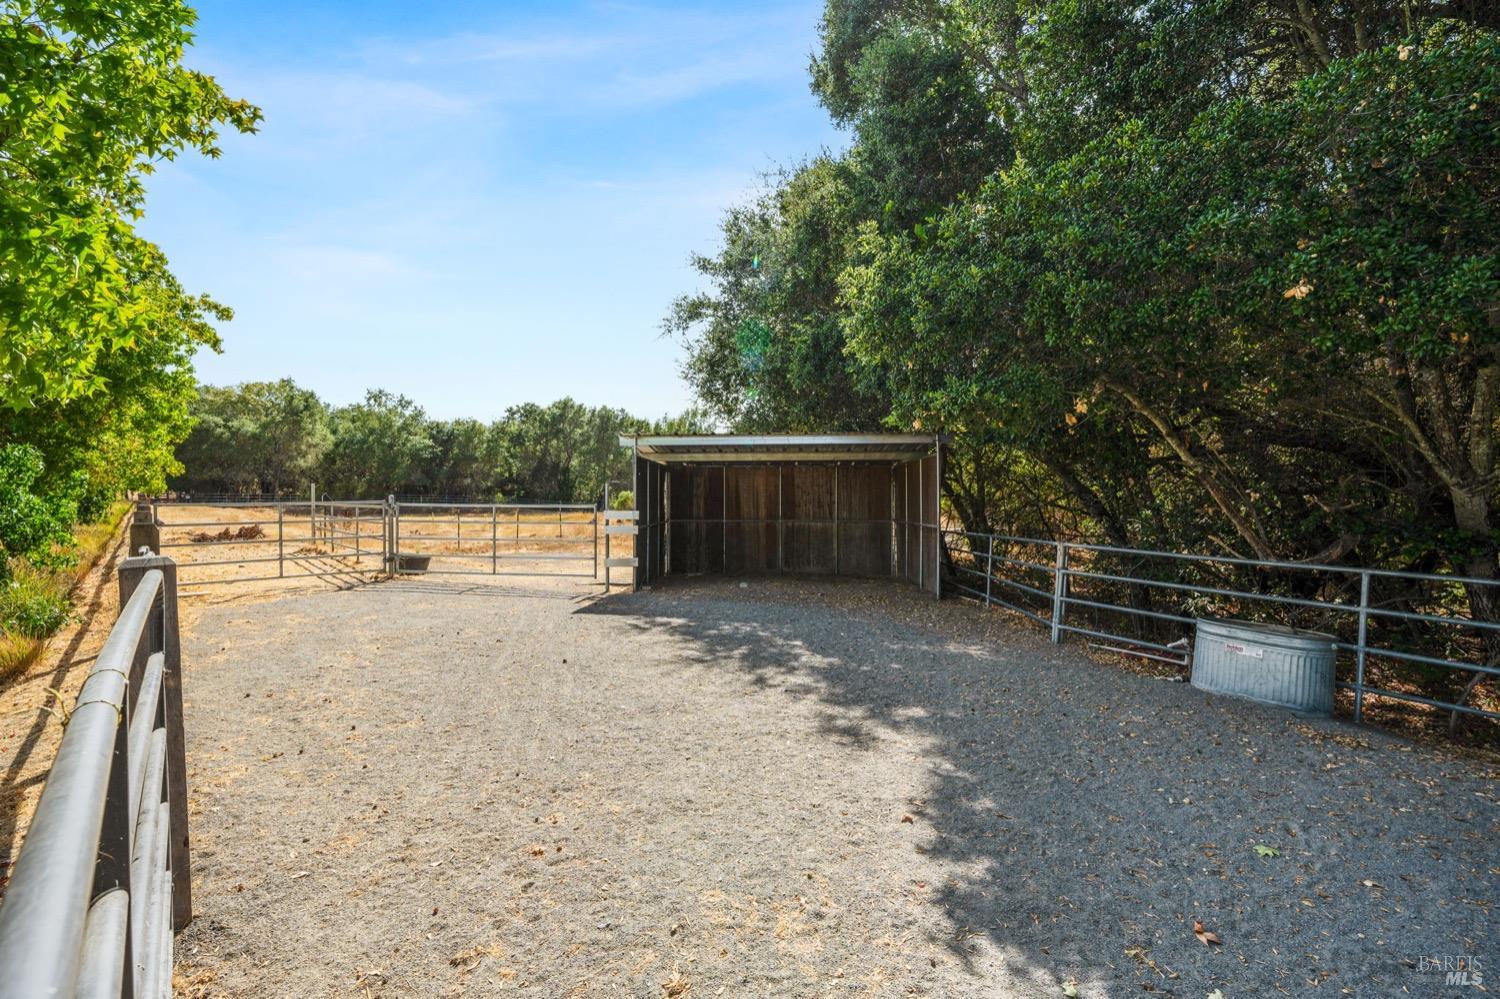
(94, 539)
(18, 652)
(29, 728)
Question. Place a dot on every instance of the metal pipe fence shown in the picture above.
(312, 538)
(321, 537)
(102, 881)
(459, 538)
(1400, 635)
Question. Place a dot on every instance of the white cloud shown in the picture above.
(636, 57)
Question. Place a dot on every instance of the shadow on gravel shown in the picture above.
(1091, 816)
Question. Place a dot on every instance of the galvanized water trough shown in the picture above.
(1269, 663)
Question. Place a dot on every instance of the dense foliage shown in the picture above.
(1192, 275)
(34, 521)
(96, 335)
(273, 437)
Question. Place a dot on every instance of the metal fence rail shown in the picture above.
(102, 883)
(252, 540)
(1389, 625)
(312, 538)
(460, 538)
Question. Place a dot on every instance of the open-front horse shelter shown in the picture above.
(820, 504)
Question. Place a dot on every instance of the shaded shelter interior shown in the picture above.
(853, 505)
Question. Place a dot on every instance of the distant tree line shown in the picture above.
(276, 437)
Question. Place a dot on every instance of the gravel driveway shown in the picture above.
(788, 789)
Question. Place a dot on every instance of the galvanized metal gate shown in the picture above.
(224, 542)
(243, 542)
(493, 539)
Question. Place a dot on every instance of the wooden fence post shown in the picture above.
(145, 532)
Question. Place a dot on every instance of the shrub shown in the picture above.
(622, 500)
(34, 524)
(33, 602)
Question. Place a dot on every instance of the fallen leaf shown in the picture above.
(1207, 937)
(907, 818)
(1216, 994)
(1070, 988)
(1261, 850)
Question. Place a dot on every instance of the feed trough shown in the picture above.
(413, 563)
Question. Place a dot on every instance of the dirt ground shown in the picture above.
(30, 719)
(791, 789)
(234, 573)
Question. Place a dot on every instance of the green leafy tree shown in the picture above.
(468, 459)
(94, 94)
(1213, 276)
(766, 347)
(259, 436)
(564, 450)
(379, 445)
(255, 437)
(96, 335)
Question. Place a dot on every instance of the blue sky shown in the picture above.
(478, 204)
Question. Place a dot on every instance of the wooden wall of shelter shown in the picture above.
(872, 519)
(915, 513)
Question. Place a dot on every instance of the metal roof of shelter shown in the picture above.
(721, 448)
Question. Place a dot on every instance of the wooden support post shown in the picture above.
(921, 531)
(835, 518)
(145, 532)
(635, 485)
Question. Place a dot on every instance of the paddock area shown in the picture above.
(785, 787)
